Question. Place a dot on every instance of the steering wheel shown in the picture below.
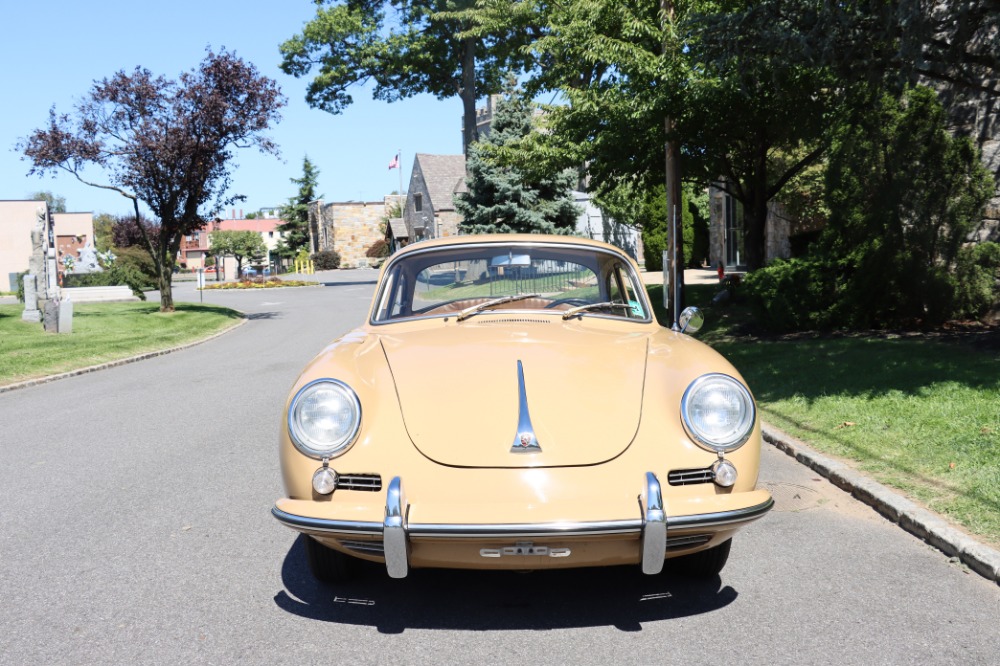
(567, 301)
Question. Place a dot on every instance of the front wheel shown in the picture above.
(705, 564)
(328, 565)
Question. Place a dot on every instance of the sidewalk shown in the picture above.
(691, 276)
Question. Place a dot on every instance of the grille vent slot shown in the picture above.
(369, 482)
(688, 477)
(367, 547)
(511, 320)
(687, 541)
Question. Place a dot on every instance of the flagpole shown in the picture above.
(399, 158)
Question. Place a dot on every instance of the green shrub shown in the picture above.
(977, 274)
(326, 260)
(20, 286)
(793, 295)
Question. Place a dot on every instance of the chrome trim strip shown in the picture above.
(722, 517)
(502, 531)
(325, 525)
(654, 526)
(397, 555)
(525, 440)
(513, 530)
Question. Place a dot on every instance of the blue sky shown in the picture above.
(53, 51)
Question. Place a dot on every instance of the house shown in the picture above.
(70, 232)
(592, 223)
(196, 247)
(430, 209)
(350, 228)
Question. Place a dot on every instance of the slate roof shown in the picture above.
(398, 228)
(444, 175)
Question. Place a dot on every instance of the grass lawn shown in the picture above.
(918, 412)
(101, 332)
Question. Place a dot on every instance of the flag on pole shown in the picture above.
(394, 163)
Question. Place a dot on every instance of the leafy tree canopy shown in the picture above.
(403, 48)
(165, 143)
(56, 203)
(240, 245)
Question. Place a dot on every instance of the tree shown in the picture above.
(56, 203)
(891, 44)
(165, 143)
(904, 197)
(237, 244)
(103, 232)
(129, 231)
(502, 199)
(295, 214)
(405, 47)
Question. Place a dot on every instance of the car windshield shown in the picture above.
(468, 280)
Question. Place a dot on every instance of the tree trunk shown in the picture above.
(166, 290)
(754, 223)
(468, 94)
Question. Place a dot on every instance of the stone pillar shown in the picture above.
(31, 312)
(50, 316)
(65, 319)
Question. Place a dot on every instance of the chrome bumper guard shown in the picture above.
(396, 531)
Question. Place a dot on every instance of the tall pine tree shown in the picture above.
(502, 199)
(295, 213)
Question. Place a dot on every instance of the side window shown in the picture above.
(621, 289)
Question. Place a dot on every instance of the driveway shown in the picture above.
(136, 529)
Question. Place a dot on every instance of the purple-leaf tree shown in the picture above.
(168, 144)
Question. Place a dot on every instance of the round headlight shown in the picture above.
(324, 418)
(718, 412)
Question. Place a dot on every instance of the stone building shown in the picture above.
(430, 209)
(350, 228)
(70, 233)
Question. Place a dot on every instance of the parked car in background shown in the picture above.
(249, 271)
(512, 403)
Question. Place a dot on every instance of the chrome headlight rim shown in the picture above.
(302, 442)
(700, 439)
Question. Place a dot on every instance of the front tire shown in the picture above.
(707, 563)
(328, 565)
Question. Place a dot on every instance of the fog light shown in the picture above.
(325, 480)
(724, 473)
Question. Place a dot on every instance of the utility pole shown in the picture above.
(672, 158)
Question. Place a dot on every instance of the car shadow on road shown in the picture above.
(621, 597)
(263, 315)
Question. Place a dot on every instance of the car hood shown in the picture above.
(460, 393)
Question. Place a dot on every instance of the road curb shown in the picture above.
(122, 361)
(916, 520)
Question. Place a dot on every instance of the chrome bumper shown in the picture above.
(652, 526)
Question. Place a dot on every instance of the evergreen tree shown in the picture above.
(501, 198)
(295, 214)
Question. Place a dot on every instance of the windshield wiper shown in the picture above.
(594, 306)
(476, 309)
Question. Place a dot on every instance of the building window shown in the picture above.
(418, 202)
(270, 234)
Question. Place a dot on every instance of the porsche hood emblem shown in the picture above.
(525, 440)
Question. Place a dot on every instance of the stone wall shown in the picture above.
(350, 228)
(976, 114)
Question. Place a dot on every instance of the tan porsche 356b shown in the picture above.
(511, 403)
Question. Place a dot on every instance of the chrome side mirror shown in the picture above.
(691, 320)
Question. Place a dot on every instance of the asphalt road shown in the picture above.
(135, 528)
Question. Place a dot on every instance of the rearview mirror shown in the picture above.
(511, 259)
